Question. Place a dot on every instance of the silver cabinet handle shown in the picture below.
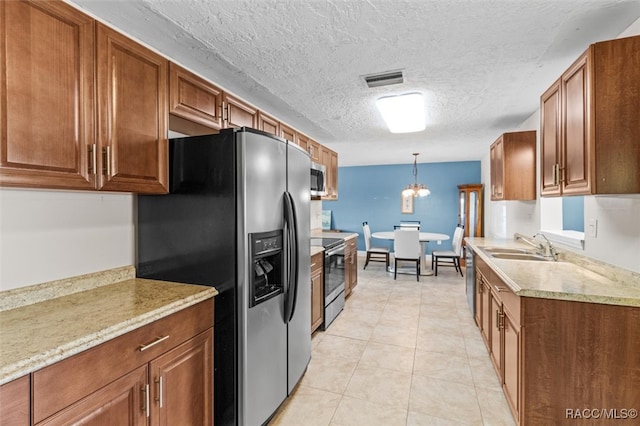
(144, 347)
(159, 397)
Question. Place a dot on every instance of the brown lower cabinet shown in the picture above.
(317, 291)
(555, 359)
(14, 402)
(351, 265)
(159, 374)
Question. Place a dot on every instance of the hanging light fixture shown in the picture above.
(415, 189)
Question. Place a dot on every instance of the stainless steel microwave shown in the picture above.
(318, 180)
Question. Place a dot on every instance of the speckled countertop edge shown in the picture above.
(344, 235)
(597, 294)
(32, 362)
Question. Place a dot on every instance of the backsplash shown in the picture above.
(316, 216)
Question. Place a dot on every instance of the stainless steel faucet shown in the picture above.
(546, 249)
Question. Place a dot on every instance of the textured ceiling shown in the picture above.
(481, 64)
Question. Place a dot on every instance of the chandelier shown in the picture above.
(415, 189)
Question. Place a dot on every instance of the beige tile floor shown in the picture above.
(401, 353)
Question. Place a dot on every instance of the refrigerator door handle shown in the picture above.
(292, 236)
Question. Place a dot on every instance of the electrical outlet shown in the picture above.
(439, 242)
(593, 228)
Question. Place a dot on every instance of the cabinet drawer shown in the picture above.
(352, 243)
(510, 301)
(61, 384)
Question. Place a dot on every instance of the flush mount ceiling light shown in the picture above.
(415, 189)
(403, 113)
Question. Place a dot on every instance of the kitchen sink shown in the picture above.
(519, 256)
(492, 250)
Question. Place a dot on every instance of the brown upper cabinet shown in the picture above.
(54, 58)
(589, 126)
(329, 159)
(132, 115)
(513, 166)
(47, 124)
(311, 146)
(288, 133)
(237, 113)
(268, 124)
(304, 141)
(85, 107)
(314, 150)
(194, 98)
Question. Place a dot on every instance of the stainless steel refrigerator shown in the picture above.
(237, 218)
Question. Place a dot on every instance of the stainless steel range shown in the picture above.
(333, 277)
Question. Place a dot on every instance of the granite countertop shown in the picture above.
(36, 330)
(343, 235)
(571, 278)
(316, 250)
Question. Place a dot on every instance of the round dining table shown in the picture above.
(425, 237)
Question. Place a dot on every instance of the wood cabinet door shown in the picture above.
(497, 170)
(511, 370)
(576, 135)
(268, 124)
(333, 181)
(347, 272)
(550, 144)
(486, 310)
(194, 98)
(317, 300)
(238, 113)
(47, 95)
(353, 272)
(325, 159)
(15, 404)
(495, 333)
(132, 115)
(304, 142)
(315, 151)
(478, 302)
(288, 133)
(329, 159)
(122, 402)
(182, 384)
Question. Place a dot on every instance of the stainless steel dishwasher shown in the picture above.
(471, 280)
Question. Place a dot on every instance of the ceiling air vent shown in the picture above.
(384, 79)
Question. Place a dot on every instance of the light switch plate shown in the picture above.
(593, 228)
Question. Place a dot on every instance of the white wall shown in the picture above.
(49, 235)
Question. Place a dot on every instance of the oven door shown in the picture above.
(333, 273)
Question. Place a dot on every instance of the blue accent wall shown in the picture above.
(373, 194)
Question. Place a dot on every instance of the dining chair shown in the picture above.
(406, 247)
(374, 254)
(449, 257)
